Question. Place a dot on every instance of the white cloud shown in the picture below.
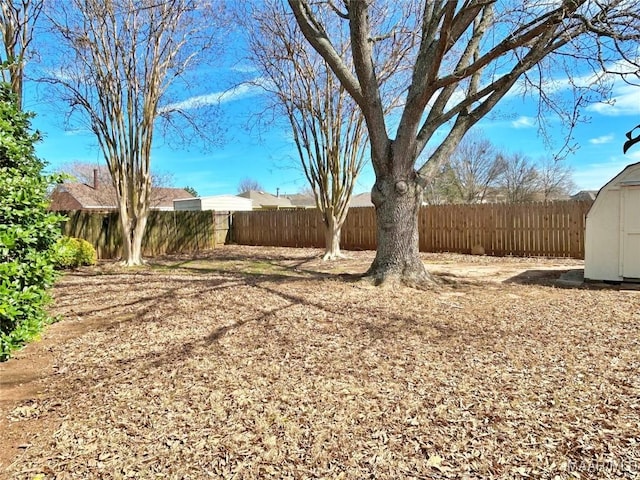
(524, 122)
(77, 131)
(625, 101)
(602, 139)
(244, 69)
(242, 91)
(614, 75)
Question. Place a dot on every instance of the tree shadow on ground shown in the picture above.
(260, 268)
(166, 296)
(569, 279)
(164, 289)
(163, 295)
(545, 277)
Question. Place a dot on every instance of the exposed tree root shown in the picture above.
(333, 256)
(132, 263)
(392, 278)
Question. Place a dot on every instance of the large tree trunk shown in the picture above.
(333, 227)
(397, 201)
(133, 227)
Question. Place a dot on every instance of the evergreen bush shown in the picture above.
(74, 252)
(28, 231)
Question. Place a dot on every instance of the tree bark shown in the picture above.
(132, 232)
(397, 199)
(333, 227)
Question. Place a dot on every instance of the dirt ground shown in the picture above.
(253, 362)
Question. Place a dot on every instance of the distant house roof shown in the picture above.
(302, 200)
(78, 196)
(361, 200)
(162, 197)
(266, 200)
(585, 195)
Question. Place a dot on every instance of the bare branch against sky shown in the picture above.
(467, 56)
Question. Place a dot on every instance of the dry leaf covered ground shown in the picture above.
(263, 363)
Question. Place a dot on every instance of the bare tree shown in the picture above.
(88, 173)
(520, 179)
(328, 127)
(247, 184)
(468, 56)
(477, 173)
(306, 191)
(477, 168)
(442, 189)
(118, 62)
(555, 179)
(17, 24)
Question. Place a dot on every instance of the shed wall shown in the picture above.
(189, 204)
(602, 240)
(218, 203)
(606, 232)
(227, 203)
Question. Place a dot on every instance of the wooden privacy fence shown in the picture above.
(553, 229)
(303, 228)
(167, 232)
(549, 229)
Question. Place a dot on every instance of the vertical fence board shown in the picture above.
(166, 232)
(553, 229)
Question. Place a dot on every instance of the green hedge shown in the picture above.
(28, 232)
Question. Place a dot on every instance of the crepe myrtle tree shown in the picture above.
(467, 56)
(327, 126)
(17, 26)
(117, 61)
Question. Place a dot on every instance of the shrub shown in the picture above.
(73, 252)
(87, 254)
(28, 231)
(65, 252)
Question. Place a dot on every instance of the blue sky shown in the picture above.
(267, 153)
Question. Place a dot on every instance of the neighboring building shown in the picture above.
(612, 241)
(78, 196)
(266, 201)
(301, 200)
(493, 195)
(585, 195)
(219, 203)
(361, 200)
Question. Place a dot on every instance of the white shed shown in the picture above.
(219, 203)
(612, 243)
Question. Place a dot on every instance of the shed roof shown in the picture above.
(618, 178)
